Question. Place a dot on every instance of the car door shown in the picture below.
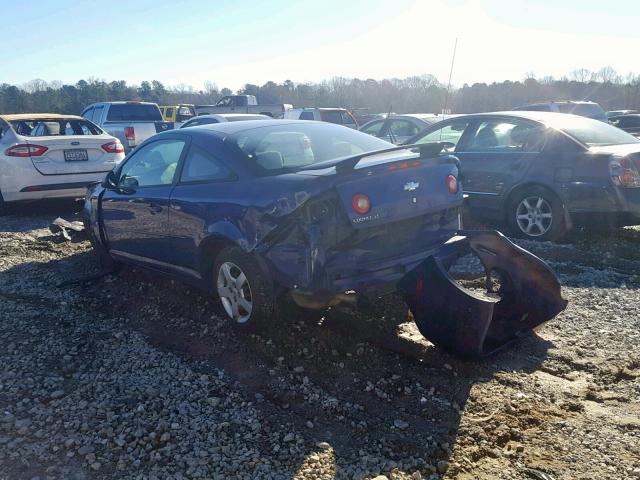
(135, 215)
(199, 199)
(495, 155)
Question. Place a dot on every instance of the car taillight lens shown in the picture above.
(130, 135)
(113, 147)
(360, 203)
(625, 173)
(25, 150)
(452, 184)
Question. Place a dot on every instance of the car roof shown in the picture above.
(624, 115)
(38, 116)
(231, 115)
(229, 128)
(543, 117)
(319, 108)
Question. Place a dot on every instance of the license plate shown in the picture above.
(76, 155)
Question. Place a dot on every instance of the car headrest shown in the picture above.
(270, 160)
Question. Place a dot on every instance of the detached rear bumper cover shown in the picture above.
(472, 326)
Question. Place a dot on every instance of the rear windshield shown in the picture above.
(331, 116)
(54, 127)
(132, 112)
(592, 132)
(277, 149)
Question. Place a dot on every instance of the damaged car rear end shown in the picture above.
(325, 215)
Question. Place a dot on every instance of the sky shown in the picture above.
(233, 42)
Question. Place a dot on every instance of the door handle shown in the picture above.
(154, 208)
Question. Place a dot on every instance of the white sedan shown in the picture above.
(52, 156)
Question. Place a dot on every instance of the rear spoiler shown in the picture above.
(348, 164)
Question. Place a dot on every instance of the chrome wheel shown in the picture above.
(534, 216)
(234, 292)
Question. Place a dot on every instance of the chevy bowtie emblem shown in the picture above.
(411, 186)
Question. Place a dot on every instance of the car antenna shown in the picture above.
(392, 137)
(446, 97)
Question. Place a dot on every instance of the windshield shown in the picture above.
(276, 149)
(134, 112)
(592, 132)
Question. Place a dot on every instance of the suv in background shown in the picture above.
(584, 109)
(340, 116)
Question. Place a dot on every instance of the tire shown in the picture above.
(246, 293)
(536, 213)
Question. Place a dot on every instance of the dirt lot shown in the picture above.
(130, 376)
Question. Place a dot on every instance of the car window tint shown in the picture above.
(142, 112)
(402, 128)
(152, 164)
(306, 116)
(505, 136)
(331, 116)
(97, 114)
(449, 134)
(347, 119)
(88, 114)
(168, 112)
(373, 128)
(201, 166)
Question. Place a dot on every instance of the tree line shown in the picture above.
(416, 94)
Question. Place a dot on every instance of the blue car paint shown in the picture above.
(176, 229)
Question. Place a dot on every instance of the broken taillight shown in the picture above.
(625, 173)
(452, 184)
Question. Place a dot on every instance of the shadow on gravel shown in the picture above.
(362, 388)
(20, 217)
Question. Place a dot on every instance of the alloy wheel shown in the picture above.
(235, 292)
(534, 216)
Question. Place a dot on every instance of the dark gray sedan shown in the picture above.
(542, 173)
(400, 128)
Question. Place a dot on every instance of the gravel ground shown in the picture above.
(131, 376)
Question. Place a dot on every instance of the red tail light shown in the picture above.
(130, 135)
(625, 173)
(25, 150)
(360, 203)
(452, 184)
(113, 147)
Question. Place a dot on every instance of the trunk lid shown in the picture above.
(74, 154)
(399, 189)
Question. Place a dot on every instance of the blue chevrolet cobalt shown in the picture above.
(255, 210)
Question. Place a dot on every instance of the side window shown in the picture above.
(306, 116)
(200, 166)
(403, 128)
(347, 119)
(373, 128)
(97, 114)
(88, 114)
(169, 112)
(449, 134)
(152, 165)
(505, 136)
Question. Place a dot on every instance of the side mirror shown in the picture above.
(110, 181)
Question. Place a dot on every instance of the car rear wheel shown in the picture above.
(536, 213)
(245, 291)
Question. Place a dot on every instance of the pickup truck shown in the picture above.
(242, 104)
(130, 122)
